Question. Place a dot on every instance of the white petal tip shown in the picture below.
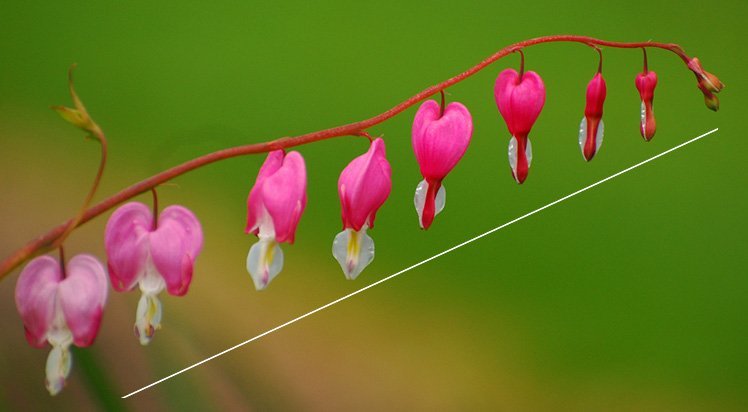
(264, 262)
(353, 250)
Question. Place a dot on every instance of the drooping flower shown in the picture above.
(708, 83)
(646, 83)
(154, 252)
(61, 307)
(363, 187)
(520, 99)
(274, 208)
(591, 128)
(440, 139)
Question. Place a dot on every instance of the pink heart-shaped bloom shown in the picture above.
(50, 304)
(363, 187)
(593, 113)
(278, 198)
(134, 246)
(440, 140)
(519, 100)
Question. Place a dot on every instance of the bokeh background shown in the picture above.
(631, 296)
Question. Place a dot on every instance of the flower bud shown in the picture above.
(592, 127)
(708, 83)
(646, 83)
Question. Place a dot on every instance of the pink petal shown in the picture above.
(519, 103)
(284, 196)
(36, 291)
(440, 142)
(364, 185)
(596, 92)
(126, 243)
(174, 246)
(83, 294)
(255, 207)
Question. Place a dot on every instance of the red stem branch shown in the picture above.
(46, 241)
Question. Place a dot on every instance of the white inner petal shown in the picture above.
(59, 363)
(353, 250)
(147, 317)
(264, 262)
(643, 118)
(512, 151)
(583, 135)
(420, 199)
(151, 283)
(528, 152)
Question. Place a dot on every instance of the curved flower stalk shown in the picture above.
(61, 306)
(156, 252)
(520, 98)
(592, 127)
(440, 138)
(363, 187)
(274, 208)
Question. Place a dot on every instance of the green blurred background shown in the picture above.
(631, 296)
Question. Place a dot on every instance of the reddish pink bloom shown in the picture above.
(274, 208)
(520, 100)
(363, 187)
(156, 254)
(439, 142)
(591, 128)
(61, 308)
(646, 83)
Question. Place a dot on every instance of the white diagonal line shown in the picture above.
(323, 307)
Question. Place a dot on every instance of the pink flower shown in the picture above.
(62, 308)
(646, 83)
(592, 127)
(274, 208)
(439, 142)
(363, 187)
(520, 99)
(155, 253)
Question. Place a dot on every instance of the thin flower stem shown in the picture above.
(72, 224)
(521, 63)
(646, 66)
(62, 262)
(46, 241)
(155, 208)
(441, 107)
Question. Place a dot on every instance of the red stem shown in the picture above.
(47, 240)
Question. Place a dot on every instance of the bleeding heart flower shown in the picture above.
(646, 83)
(274, 208)
(592, 127)
(439, 141)
(154, 253)
(62, 307)
(520, 99)
(363, 187)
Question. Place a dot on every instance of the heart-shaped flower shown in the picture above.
(520, 98)
(62, 307)
(440, 139)
(154, 252)
(274, 208)
(363, 187)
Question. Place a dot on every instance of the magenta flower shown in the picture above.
(520, 98)
(155, 253)
(646, 83)
(62, 307)
(363, 187)
(274, 208)
(439, 141)
(592, 127)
